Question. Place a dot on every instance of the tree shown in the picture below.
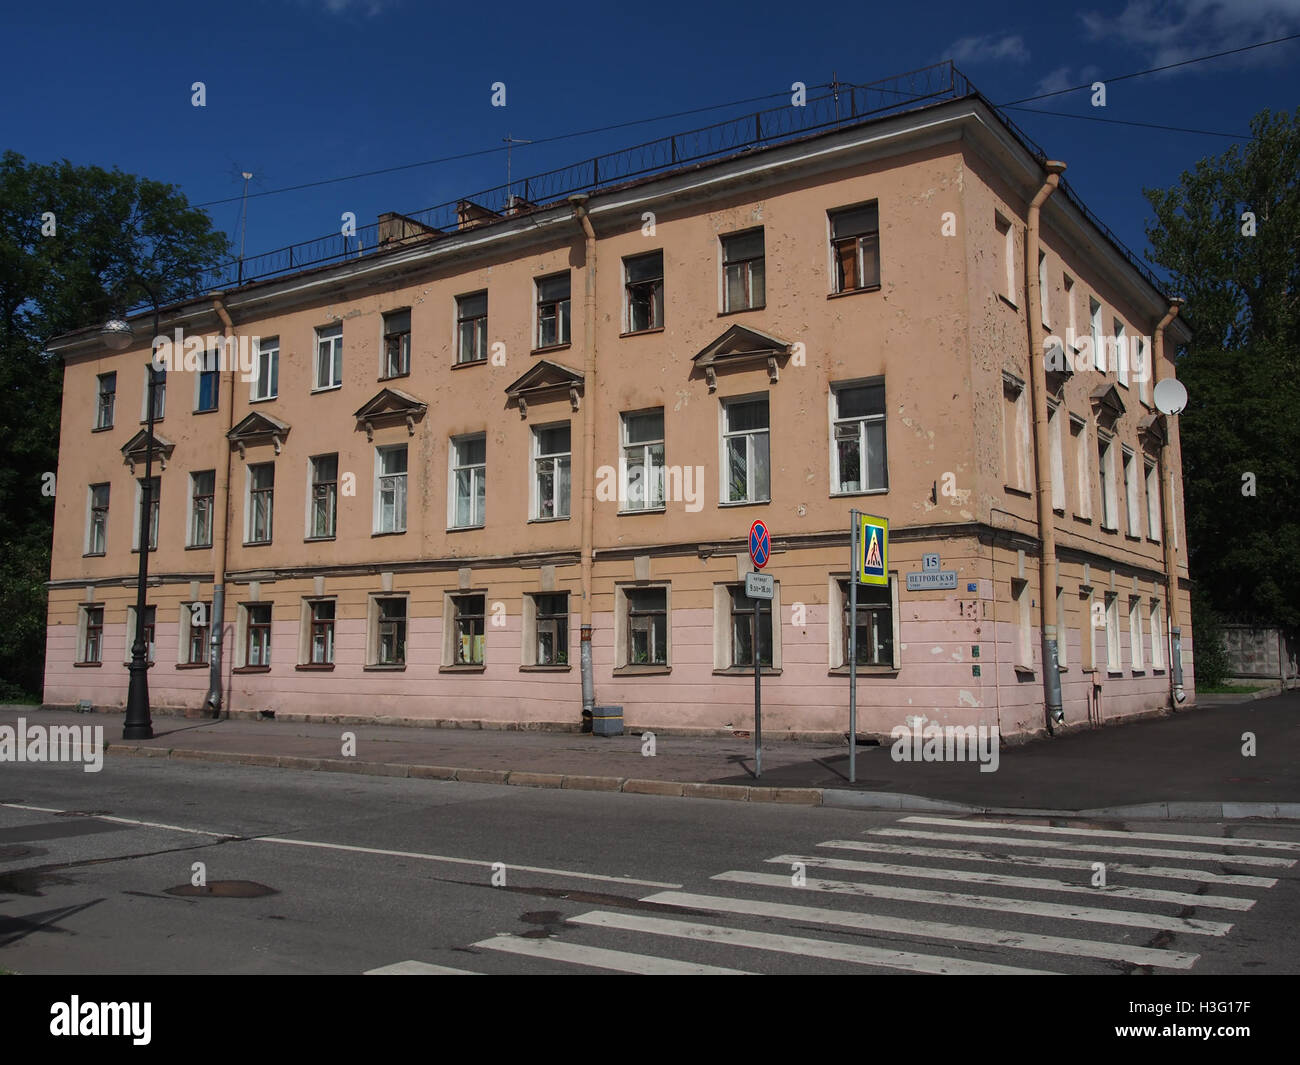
(70, 236)
(1228, 233)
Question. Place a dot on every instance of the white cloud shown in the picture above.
(1174, 30)
(988, 48)
(347, 7)
(1065, 78)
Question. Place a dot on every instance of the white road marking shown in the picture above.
(995, 937)
(1096, 847)
(811, 948)
(123, 821)
(1022, 907)
(600, 958)
(417, 968)
(1048, 862)
(1152, 837)
(568, 873)
(1029, 883)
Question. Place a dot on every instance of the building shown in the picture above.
(461, 445)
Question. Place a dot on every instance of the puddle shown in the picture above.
(224, 889)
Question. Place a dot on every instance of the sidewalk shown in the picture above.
(1189, 765)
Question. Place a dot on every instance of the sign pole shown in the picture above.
(853, 649)
(758, 697)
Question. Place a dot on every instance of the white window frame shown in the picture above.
(757, 300)
(622, 651)
(211, 363)
(385, 332)
(248, 504)
(451, 641)
(561, 489)
(265, 383)
(373, 634)
(724, 635)
(1157, 615)
(1082, 465)
(1062, 630)
(837, 388)
(83, 630)
(190, 540)
(151, 647)
(1016, 439)
(650, 500)
(563, 313)
(309, 532)
(1071, 320)
(89, 547)
(1144, 370)
(100, 392)
(1056, 447)
(185, 629)
(1043, 295)
(751, 449)
(1113, 663)
(478, 473)
(1121, 351)
(1094, 331)
(306, 636)
(480, 340)
(1135, 634)
(155, 515)
(1109, 489)
(242, 625)
(1155, 518)
(1132, 511)
(529, 648)
(660, 304)
(395, 483)
(328, 337)
(159, 393)
(1006, 230)
(1024, 649)
(838, 597)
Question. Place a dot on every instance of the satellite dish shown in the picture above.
(1170, 396)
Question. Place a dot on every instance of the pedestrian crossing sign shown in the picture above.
(873, 550)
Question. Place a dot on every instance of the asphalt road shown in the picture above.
(369, 873)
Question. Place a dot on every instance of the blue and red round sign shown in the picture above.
(760, 544)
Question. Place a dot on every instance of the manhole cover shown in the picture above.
(225, 889)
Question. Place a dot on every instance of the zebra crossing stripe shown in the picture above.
(417, 968)
(1021, 907)
(1097, 847)
(812, 948)
(1168, 872)
(601, 958)
(994, 937)
(1153, 837)
(1029, 883)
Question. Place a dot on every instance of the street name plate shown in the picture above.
(924, 582)
(759, 586)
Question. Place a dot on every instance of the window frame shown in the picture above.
(159, 394)
(654, 299)
(187, 631)
(398, 484)
(91, 621)
(561, 312)
(556, 622)
(377, 621)
(155, 511)
(625, 614)
(402, 337)
(331, 496)
(268, 348)
(726, 434)
(837, 388)
(97, 519)
(253, 629)
(746, 263)
(105, 411)
(651, 502)
(251, 503)
(208, 372)
(480, 328)
(331, 337)
(861, 240)
(455, 466)
(195, 508)
(558, 460)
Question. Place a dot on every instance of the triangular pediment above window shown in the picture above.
(258, 428)
(136, 450)
(741, 347)
(1108, 404)
(545, 380)
(1153, 428)
(390, 406)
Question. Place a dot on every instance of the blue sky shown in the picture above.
(302, 90)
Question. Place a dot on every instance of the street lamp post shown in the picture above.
(117, 333)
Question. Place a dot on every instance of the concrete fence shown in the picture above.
(1260, 654)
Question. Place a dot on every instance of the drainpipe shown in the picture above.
(579, 202)
(220, 521)
(1042, 454)
(1167, 515)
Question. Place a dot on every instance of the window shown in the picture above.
(1042, 288)
(643, 279)
(1015, 433)
(1094, 330)
(858, 462)
(388, 646)
(1057, 457)
(1088, 630)
(1062, 632)
(1135, 633)
(1143, 369)
(468, 481)
(1006, 235)
(745, 451)
(467, 627)
(202, 486)
(1106, 473)
(323, 517)
(390, 489)
(551, 458)
(1112, 632)
(855, 247)
(1024, 638)
(647, 626)
(743, 286)
(97, 525)
(742, 629)
(1157, 635)
(320, 648)
(877, 625)
(261, 491)
(1121, 352)
(149, 616)
(397, 344)
(107, 396)
(92, 642)
(553, 310)
(155, 505)
(471, 327)
(257, 648)
(329, 357)
(643, 460)
(1070, 320)
(205, 396)
(1131, 512)
(159, 393)
(1083, 478)
(195, 625)
(266, 382)
(550, 629)
(1155, 520)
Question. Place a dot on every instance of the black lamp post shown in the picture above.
(117, 334)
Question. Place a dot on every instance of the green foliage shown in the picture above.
(109, 226)
(1241, 368)
(1210, 653)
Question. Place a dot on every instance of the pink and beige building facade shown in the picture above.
(451, 459)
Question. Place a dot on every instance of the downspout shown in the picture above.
(220, 521)
(1043, 453)
(578, 202)
(1167, 516)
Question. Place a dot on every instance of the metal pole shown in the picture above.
(758, 697)
(853, 649)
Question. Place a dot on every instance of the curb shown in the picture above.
(832, 797)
